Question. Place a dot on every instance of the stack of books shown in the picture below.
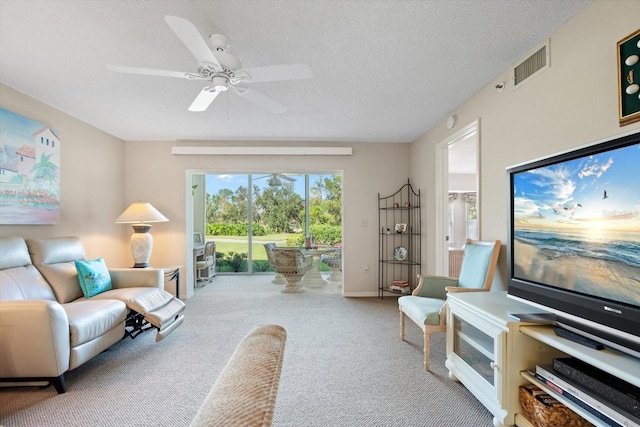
(401, 286)
(600, 408)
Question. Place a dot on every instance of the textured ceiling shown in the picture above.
(384, 71)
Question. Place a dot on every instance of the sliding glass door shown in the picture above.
(245, 211)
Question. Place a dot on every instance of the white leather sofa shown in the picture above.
(48, 327)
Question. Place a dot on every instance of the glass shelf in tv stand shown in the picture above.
(475, 348)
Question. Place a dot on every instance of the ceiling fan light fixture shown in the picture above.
(220, 83)
(274, 181)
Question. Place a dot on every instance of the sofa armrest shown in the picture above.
(34, 339)
(246, 389)
(137, 278)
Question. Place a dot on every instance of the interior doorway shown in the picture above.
(457, 185)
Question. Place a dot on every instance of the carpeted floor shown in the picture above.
(344, 365)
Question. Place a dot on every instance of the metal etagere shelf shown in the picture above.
(400, 245)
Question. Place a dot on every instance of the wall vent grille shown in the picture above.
(532, 66)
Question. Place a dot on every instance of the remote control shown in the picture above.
(587, 342)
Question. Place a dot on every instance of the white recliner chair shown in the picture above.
(150, 306)
(48, 327)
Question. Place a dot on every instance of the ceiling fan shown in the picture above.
(221, 69)
(274, 179)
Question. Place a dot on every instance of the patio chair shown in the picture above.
(333, 260)
(207, 265)
(293, 265)
(279, 279)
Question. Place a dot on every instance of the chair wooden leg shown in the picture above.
(426, 349)
(401, 325)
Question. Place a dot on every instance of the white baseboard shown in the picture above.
(360, 294)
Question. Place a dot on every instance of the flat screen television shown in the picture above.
(574, 239)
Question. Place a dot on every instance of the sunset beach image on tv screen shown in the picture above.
(577, 224)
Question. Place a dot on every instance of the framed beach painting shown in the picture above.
(29, 171)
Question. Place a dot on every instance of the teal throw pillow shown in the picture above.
(93, 276)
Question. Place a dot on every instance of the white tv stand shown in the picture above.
(487, 350)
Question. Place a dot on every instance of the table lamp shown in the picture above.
(140, 214)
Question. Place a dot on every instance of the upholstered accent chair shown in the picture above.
(279, 279)
(426, 306)
(293, 265)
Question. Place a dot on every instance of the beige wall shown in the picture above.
(92, 182)
(572, 103)
(157, 176)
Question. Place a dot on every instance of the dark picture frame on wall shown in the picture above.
(629, 79)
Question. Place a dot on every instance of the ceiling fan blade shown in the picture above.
(192, 39)
(286, 178)
(279, 72)
(204, 99)
(262, 101)
(149, 71)
(279, 175)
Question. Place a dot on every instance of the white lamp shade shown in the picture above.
(140, 212)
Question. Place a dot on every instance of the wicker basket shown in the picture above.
(544, 411)
(527, 395)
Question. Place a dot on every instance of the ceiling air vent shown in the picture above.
(532, 66)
